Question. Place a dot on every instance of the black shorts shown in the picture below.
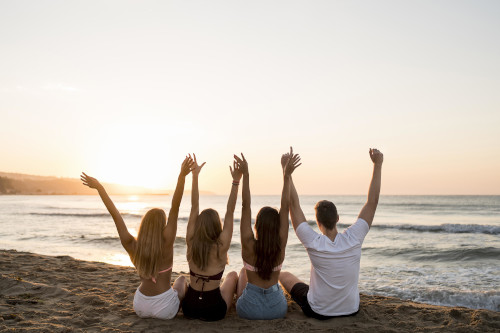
(299, 295)
(211, 307)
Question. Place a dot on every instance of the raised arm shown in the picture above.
(195, 201)
(296, 212)
(170, 231)
(288, 167)
(368, 211)
(126, 238)
(247, 237)
(227, 230)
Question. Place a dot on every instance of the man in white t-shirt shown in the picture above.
(335, 257)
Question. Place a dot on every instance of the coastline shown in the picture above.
(59, 293)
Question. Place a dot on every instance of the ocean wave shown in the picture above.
(444, 228)
(489, 300)
(90, 215)
(439, 206)
(453, 204)
(179, 240)
(84, 215)
(433, 254)
(106, 240)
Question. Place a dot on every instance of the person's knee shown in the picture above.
(180, 280)
(288, 280)
(232, 275)
(284, 276)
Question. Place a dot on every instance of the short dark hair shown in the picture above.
(326, 214)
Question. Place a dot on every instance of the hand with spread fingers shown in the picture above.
(195, 168)
(90, 181)
(242, 164)
(236, 171)
(187, 165)
(291, 163)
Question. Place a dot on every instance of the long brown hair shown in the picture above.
(149, 250)
(207, 230)
(267, 246)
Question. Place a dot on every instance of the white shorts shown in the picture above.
(162, 306)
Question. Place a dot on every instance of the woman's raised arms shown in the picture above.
(246, 233)
(169, 233)
(127, 240)
(227, 230)
(289, 163)
(195, 201)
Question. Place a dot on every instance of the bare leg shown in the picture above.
(228, 288)
(242, 282)
(180, 286)
(288, 280)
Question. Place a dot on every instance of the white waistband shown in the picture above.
(163, 294)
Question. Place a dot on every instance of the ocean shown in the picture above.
(442, 250)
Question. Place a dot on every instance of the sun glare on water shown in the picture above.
(119, 259)
(133, 232)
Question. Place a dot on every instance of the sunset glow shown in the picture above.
(127, 97)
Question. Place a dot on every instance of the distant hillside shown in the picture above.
(16, 183)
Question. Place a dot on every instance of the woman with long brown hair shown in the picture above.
(207, 246)
(259, 294)
(152, 252)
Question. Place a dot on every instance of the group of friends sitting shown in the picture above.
(335, 257)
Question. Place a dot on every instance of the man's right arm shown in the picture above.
(368, 211)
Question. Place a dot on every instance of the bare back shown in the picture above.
(150, 288)
(248, 255)
(215, 265)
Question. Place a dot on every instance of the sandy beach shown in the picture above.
(61, 294)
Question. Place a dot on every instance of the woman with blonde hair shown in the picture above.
(259, 294)
(207, 246)
(152, 252)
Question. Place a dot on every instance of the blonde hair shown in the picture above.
(207, 230)
(149, 250)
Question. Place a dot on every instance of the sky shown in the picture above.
(123, 90)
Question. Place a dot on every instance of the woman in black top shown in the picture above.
(207, 246)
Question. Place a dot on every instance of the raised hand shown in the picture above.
(186, 166)
(89, 181)
(242, 164)
(284, 159)
(291, 163)
(240, 167)
(195, 168)
(376, 156)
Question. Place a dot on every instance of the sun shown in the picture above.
(135, 156)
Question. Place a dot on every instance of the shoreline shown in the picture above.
(59, 293)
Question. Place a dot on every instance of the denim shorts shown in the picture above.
(259, 303)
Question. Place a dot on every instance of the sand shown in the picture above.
(62, 294)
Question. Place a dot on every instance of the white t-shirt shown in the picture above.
(333, 290)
